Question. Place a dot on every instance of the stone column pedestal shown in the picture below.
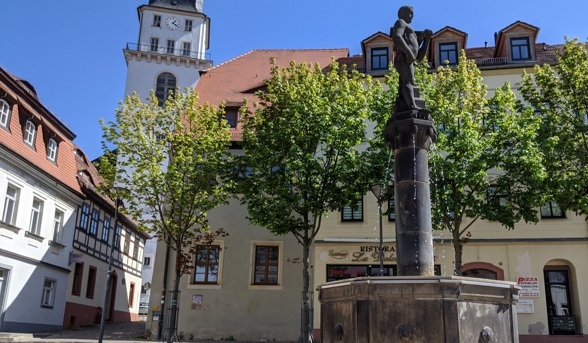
(442, 309)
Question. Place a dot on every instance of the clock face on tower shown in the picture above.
(172, 23)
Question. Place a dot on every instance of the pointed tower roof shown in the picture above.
(182, 5)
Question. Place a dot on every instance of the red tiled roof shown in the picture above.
(238, 78)
(25, 106)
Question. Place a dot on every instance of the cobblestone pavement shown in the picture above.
(115, 333)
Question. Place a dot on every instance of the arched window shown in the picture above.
(4, 114)
(52, 150)
(30, 133)
(482, 270)
(166, 82)
(559, 298)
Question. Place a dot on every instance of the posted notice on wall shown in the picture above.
(525, 306)
(529, 287)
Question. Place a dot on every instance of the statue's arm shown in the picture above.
(425, 46)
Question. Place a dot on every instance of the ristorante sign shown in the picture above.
(368, 253)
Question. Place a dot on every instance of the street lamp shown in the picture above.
(117, 201)
(379, 191)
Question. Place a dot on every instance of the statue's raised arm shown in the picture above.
(411, 46)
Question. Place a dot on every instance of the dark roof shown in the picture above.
(182, 5)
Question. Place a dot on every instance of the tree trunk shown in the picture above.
(305, 320)
(458, 249)
(174, 302)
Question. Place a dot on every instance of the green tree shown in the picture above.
(300, 150)
(559, 96)
(486, 163)
(171, 159)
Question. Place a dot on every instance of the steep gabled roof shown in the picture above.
(238, 79)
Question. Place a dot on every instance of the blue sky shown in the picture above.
(71, 50)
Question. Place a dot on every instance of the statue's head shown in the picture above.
(405, 13)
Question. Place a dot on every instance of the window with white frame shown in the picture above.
(48, 297)
(94, 220)
(105, 229)
(36, 215)
(57, 225)
(186, 47)
(84, 216)
(52, 150)
(30, 132)
(10, 205)
(154, 44)
(188, 25)
(4, 114)
(170, 46)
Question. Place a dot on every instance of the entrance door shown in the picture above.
(110, 300)
(3, 279)
(559, 305)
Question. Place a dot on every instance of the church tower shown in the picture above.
(171, 48)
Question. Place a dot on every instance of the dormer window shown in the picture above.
(448, 53)
(30, 132)
(520, 49)
(4, 114)
(231, 116)
(52, 150)
(380, 59)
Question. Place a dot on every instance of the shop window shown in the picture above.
(520, 49)
(482, 270)
(448, 53)
(266, 265)
(552, 210)
(380, 59)
(351, 213)
(77, 279)
(91, 283)
(207, 264)
(562, 320)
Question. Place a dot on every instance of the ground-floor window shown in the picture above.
(341, 272)
(266, 265)
(207, 263)
(562, 320)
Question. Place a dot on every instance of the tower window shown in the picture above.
(186, 47)
(166, 82)
(170, 46)
(157, 20)
(188, 25)
(154, 44)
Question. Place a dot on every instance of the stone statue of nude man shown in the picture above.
(406, 45)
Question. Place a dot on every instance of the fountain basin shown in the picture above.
(424, 309)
